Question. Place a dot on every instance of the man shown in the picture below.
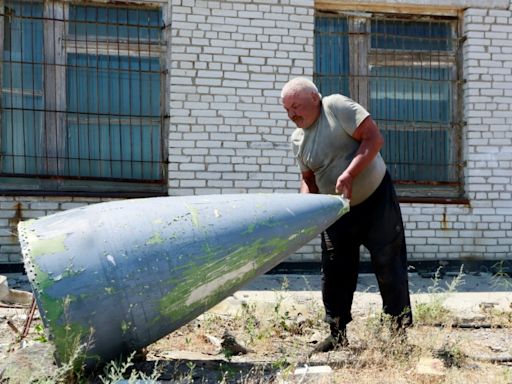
(337, 146)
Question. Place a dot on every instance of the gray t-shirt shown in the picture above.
(327, 148)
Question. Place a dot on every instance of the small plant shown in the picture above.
(501, 279)
(454, 285)
(117, 370)
(41, 334)
(281, 363)
(497, 317)
(433, 312)
(189, 378)
(507, 375)
(452, 355)
(255, 375)
(72, 371)
(228, 373)
(281, 318)
(307, 284)
(250, 321)
(381, 344)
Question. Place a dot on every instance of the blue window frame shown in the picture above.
(405, 70)
(83, 90)
(332, 66)
(22, 87)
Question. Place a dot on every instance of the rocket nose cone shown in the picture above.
(339, 204)
(319, 210)
(166, 259)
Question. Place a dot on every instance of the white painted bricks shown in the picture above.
(228, 133)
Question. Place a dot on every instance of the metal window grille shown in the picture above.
(82, 93)
(405, 70)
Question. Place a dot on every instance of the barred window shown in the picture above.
(405, 69)
(83, 90)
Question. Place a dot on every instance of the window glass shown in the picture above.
(403, 68)
(113, 116)
(418, 94)
(332, 55)
(22, 87)
(117, 23)
(411, 35)
(82, 97)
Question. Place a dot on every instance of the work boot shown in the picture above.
(337, 339)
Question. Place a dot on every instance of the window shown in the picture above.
(83, 99)
(405, 70)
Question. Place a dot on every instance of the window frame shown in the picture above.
(56, 29)
(362, 56)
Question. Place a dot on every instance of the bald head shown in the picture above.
(298, 85)
(302, 101)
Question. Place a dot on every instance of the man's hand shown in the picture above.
(344, 185)
(308, 183)
(368, 134)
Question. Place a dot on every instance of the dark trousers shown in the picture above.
(377, 224)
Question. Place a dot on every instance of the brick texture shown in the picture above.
(228, 134)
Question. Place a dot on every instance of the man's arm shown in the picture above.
(308, 183)
(368, 134)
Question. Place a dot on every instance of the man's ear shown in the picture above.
(315, 97)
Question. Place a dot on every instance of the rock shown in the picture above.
(307, 374)
(316, 337)
(33, 363)
(431, 367)
(214, 340)
(231, 347)
(13, 296)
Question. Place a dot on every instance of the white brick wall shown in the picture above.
(481, 230)
(233, 58)
(228, 133)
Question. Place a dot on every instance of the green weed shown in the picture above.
(433, 311)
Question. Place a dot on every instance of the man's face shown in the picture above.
(303, 108)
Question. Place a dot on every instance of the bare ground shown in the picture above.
(278, 330)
